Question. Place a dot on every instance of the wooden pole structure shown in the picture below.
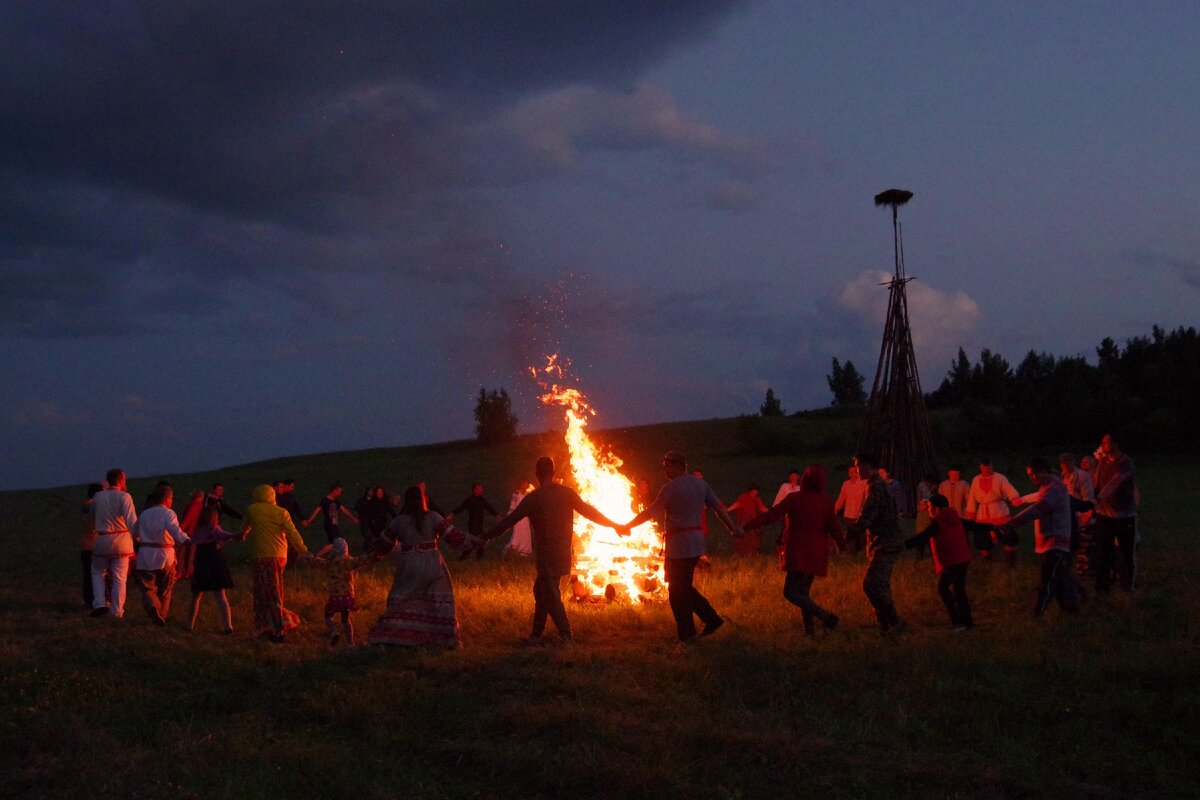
(896, 426)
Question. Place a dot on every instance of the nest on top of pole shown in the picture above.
(893, 198)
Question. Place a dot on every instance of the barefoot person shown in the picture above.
(812, 522)
(211, 572)
(551, 510)
(683, 498)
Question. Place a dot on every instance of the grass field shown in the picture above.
(1102, 705)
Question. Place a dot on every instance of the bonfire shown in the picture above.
(607, 566)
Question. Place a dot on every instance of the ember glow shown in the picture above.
(607, 566)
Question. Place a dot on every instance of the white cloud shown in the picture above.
(940, 321)
(558, 126)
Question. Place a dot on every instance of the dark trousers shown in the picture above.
(547, 602)
(85, 559)
(952, 586)
(1113, 535)
(796, 587)
(684, 599)
(332, 532)
(1057, 583)
(477, 549)
(856, 537)
(877, 585)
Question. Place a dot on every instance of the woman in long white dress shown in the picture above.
(420, 605)
(521, 542)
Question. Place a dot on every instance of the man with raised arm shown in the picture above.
(683, 498)
(551, 510)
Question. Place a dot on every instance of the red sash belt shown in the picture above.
(167, 545)
(686, 530)
(419, 546)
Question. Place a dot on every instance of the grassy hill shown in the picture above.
(1102, 705)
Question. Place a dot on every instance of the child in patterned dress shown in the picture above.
(339, 570)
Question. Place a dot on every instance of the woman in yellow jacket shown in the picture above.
(269, 530)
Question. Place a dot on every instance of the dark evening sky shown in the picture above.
(240, 230)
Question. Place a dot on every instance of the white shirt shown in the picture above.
(988, 505)
(159, 532)
(112, 511)
(784, 490)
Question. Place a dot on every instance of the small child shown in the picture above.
(951, 556)
(210, 570)
(339, 570)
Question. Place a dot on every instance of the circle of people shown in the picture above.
(1084, 521)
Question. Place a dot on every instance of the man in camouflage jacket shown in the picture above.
(885, 544)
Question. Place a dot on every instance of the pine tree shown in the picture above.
(494, 421)
(771, 406)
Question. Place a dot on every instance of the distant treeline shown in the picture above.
(1147, 394)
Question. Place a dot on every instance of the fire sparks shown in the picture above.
(606, 565)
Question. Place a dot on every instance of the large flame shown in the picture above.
(606, 565)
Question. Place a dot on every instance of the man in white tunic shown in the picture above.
(158, 533)
(683, 499)
(115, 520)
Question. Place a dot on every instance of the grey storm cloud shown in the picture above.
(204, 141)
(247, 107)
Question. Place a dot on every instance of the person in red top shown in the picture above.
(811, 523)
(747, 506)
(951, 556)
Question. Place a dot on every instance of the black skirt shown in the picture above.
(211, 571)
